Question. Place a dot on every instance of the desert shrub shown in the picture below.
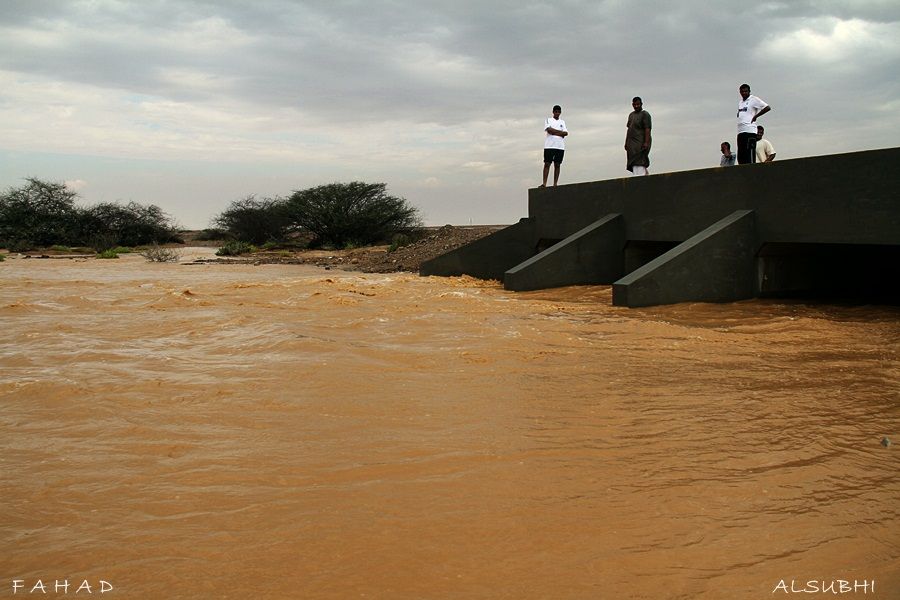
(235, 249)
(358, 213)
(157, 253)
(405, 238)
(59, 248)
(19, 246)
(39, 213)
(2, 257)
(123, 250)
(42, 214)
(398, 241)
(110, 224)
(255, 221)
(107, 254)
(100, 241)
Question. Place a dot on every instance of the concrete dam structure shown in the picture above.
(825, 226)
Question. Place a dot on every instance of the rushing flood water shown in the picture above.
(210, 431)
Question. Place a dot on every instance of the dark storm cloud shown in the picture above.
(432, 61)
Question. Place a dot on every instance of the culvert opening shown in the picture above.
(867, 273)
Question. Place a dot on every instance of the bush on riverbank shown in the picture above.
(41, 214)
(354, 213)
(109, 225)
(235, 249)
(255, 221)
(157, 253)
(337, 215)
(37, 214)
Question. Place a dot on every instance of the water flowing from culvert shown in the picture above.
(216, 431)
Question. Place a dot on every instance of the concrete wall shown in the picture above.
(841, 198)
(487, 258)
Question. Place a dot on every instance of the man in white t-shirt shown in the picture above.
(554, 144)
(750, 108)
(765, 151)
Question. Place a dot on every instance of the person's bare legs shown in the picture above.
(555, 173)
(546, 173)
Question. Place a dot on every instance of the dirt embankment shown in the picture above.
(376, 259)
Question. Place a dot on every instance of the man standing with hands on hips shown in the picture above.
(554, 144)
(750, 108)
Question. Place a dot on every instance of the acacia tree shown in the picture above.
(356, 212)
(111, 224)
(256, 221)
(43, 214)
(39, 213)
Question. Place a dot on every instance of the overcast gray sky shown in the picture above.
(190, 104)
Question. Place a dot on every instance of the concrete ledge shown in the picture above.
(487, 258)
(592, 255)
(835, 199)
(716, 265)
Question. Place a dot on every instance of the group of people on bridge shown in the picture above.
(752, 147)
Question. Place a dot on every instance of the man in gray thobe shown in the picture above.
(637, 139)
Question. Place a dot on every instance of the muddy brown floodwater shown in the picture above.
(275, 431)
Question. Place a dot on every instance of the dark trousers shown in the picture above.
(746, 148)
